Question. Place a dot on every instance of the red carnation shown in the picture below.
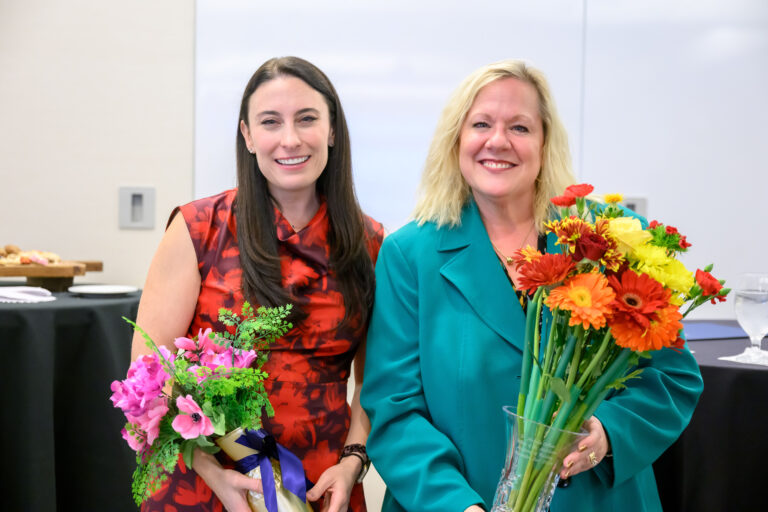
(672, 230)
(678, 344)
(710, 287)
(566, 200)
(580, 190)
(683, 242)
(654, 223)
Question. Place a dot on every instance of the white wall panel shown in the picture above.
(675, 110)
(394, 63)
(94, 95)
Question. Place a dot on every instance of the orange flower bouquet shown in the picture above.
(614, 294)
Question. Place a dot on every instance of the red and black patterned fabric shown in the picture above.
(308, 368)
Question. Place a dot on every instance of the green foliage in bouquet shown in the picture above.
(214, 383)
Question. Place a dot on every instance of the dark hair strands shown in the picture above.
(348, 232)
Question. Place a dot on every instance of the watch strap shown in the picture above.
(359, 451)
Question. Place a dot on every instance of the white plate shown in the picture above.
(102, 289)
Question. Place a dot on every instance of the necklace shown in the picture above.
(508, 259)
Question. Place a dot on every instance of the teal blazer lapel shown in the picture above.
(475, 271)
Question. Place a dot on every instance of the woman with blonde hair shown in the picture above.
(445, 342)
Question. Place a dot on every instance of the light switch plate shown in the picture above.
(136, 207)
(639, 205)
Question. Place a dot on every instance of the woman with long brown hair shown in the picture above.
(292, 232)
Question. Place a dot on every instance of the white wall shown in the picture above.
(393, 63)
(675, 110)
(94, 95)
(663, 99)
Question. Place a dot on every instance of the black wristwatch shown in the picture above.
(357, 450)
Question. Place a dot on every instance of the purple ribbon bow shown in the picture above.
(290, 466)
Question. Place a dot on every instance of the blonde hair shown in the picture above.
(443, 189)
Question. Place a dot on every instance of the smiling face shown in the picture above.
(501, 141)
(288, 131)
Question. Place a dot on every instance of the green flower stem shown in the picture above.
(549, 399)
(565, 412)
(536, 472)
(527, 440)
(547, 371)
(596, 360)
(525, 376)
(600, 389)
(566, 356)
(531, 444)
(574, 366)
(543, 473)
(533, 385)
(693, 305)
(549, 359)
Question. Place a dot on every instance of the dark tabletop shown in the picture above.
(62, 435)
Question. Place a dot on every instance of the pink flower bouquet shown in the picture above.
(211, 385)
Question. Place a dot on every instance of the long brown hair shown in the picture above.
(347, 234)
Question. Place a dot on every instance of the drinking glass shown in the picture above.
(751, 305)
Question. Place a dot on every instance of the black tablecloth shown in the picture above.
(62, 445)
(718, 464)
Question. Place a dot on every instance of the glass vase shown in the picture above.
(286, 500)
(535, 454)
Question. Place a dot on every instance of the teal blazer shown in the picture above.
(444, 355)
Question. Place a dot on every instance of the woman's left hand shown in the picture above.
(336, 485)
(590, 451)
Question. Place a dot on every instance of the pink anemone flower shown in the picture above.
(191, 422)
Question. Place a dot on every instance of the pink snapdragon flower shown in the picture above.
(144, 382)
(191, 423)
(213, 360)
(203, 344)
(149, 422)
(201, 375)
(243, 359)
(208, 344)
(185, 344)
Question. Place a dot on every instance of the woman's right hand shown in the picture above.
(230, 486)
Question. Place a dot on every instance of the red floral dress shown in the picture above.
(308, 368)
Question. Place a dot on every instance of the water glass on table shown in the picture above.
(751, 305)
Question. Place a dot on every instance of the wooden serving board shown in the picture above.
(54, 276)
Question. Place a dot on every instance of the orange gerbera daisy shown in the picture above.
(586, 296)
(661, 332)
(638, 297)
(547, 270)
